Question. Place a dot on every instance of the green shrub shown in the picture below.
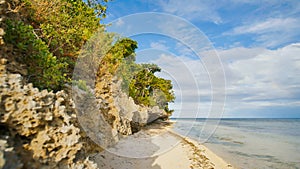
(49, 35)
(45, 70)
(139, 80)
(65, 25)
(49, 39)
(147, 89)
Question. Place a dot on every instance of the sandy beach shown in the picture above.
(158, 147)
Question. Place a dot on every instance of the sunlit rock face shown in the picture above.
(42, 129)
(137, 115)
(45, 122)
(124, 115)
(50, 128)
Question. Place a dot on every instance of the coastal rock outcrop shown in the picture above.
(44, 122)
(137, 115)
(45, 129)
(107, 114)
(127, 117)
(46, 132)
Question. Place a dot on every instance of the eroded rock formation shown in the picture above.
(45, 121)
(107, 114)
(42, 129)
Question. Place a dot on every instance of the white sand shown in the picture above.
(157, 147)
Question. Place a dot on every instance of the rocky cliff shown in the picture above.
(64, 129)
(41, 128)
(107, 114)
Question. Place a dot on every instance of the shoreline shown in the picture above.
(157, 146)
(201, 150)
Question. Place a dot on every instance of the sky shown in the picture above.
(229, 59)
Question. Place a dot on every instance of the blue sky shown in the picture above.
(257, 42)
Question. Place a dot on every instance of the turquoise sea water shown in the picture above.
(248, 143)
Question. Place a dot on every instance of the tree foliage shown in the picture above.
(45, 70)
(65, 25)
(49, 35)
(100, 9)
(139, 80)
(147, 89)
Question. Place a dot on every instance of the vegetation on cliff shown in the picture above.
(42, 129)
(50, 34)
(138, 80)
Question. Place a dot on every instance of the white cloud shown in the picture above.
(160, 45)
(183, 49)
(192, 85)
(271, 77)
(256, 78)
(271, 24)
(239, 53)
(192, 10)
(188, 77)
(270, 32)
(119, 22)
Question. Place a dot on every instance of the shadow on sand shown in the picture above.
(138, 151)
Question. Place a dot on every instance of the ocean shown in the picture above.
(248, 143)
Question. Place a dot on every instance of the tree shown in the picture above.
(138, 80)
(49, 34)
(148, 89)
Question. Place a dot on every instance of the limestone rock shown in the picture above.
(87, 163)
(43, 131)
(46, 119)
(137, 115)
